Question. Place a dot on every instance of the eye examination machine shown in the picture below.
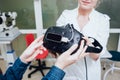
(8, 32)
(7, 26)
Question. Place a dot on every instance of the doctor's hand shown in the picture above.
(32, 50)
(94, 56)
(66, 59)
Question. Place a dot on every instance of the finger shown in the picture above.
(80, 49)
(82, 45)
(32, 57)
(35, 46)
(43, 48)
(39, 39)
(84, 49)
(83, 52)
(85, 37)
(71, 49)
(87, 40)
(38, 45)
(79, 53)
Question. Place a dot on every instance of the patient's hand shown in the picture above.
(33, 50)
(66, 59)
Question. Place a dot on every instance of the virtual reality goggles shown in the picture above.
(58, 39)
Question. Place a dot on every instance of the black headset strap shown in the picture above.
(97, 47)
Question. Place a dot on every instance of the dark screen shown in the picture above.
(54, 37)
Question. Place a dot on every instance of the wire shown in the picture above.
(86, 68)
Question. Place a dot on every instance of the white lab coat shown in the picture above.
(98, 28)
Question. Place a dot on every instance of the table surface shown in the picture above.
(9, 39)
(106, 55)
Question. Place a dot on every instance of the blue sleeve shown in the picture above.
(54, 74)
(16, 71)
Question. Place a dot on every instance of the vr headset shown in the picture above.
(58, 39)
